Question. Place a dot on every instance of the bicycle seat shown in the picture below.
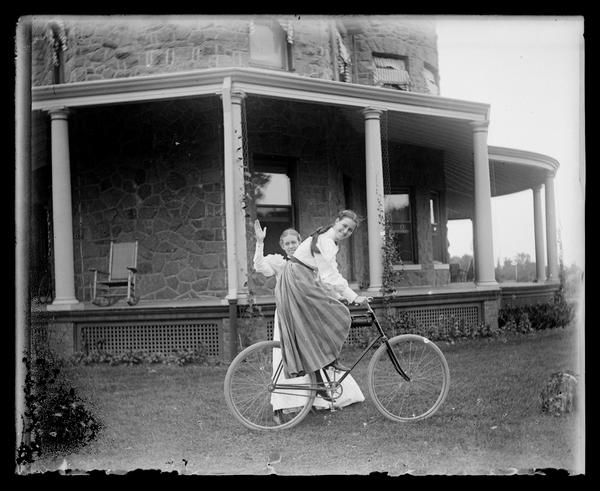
(362, 319)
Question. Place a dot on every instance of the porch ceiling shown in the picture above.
(511, 170)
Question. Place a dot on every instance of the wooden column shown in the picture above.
(62, 218)
(538, 225)
(551, 242)
(482, 223)
(375, 195)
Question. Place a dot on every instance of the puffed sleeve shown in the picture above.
(269, 265)
(328, 269)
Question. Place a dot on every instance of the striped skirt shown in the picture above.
(313, 324)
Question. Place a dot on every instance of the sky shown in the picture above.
(530, 70)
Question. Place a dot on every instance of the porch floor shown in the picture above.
(404, 292)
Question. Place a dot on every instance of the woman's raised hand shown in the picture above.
(259, 232)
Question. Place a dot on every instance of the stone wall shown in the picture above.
(421, 170)
(312, 50)
(414, 39)
(152, 173)
(100, 48)
(104, 48)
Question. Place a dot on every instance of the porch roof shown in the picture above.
(253, 81)
(420, 119)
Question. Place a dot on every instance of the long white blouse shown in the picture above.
(269, 265)
(326, 264)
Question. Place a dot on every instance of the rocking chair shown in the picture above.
(122, 267)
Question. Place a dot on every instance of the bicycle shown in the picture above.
(408, 380)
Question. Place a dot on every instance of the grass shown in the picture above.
(175, 419)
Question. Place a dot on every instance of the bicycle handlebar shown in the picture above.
(369, 299)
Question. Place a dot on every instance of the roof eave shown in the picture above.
(253, 81)
(523, 157)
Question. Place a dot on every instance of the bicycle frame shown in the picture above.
(382, 337)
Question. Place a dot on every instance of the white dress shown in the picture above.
(272, 265)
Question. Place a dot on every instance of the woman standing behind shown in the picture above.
(273, 265)
(313, 323)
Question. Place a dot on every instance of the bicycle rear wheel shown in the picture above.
(427, 368)
(249, 390)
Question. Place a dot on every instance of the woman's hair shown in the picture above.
(341, 215)
(290, 231)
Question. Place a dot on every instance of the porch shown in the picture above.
(163, 326)
(175, 178)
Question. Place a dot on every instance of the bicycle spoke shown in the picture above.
(422, 394)
(246, 403)
(246, 389)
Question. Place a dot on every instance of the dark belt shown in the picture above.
(297, 261)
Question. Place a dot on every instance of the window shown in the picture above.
(431, 80)
(391, 71)
(399, 210)
(436, 230)
(274, 202)
(268, 45)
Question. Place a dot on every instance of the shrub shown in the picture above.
(179, 357)
(447, 328)
(559, 395)
(55, 415)
(526, 318)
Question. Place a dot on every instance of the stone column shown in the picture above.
(237, 98)
(482, 223)
(62, 218)
(540, 260)
(551, 243)
(375, 195)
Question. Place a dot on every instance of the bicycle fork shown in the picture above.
(389, 349)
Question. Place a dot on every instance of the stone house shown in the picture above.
(177, 132)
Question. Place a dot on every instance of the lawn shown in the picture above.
(175, 419)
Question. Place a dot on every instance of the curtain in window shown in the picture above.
(287, 26)
(391, 71)
(343, 57)
(56, 34)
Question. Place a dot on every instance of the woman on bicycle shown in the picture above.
(313, 322)
(273, 265)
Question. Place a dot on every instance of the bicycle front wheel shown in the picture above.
(251, 389)
(427, 368)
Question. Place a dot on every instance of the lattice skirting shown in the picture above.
(442, 317)
(270, 326)
(155, 337)
(166, 336)
(437, 317)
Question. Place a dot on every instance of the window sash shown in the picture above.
(272, 211)
(401, 224)
(276, 192)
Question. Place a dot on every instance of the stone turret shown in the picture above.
(365, 50)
